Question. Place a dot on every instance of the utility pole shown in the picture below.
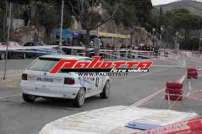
(153, 36)
(199, 41)
(97, 47)
(4, 21)
(177, 45)
(61, 23)
(98, 32)
(8, 38)
(131, 37)
(161, 37)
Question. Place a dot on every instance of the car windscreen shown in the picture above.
(43, 64)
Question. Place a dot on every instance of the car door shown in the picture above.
(95, 85)
(87, 80)
(92, 81)
(99, 80)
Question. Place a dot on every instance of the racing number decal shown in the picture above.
(97, 81)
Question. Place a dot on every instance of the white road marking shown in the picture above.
(182, 79)
(10, 96)
(146, 99)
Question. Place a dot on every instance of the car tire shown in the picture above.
(29, 98)
(106, 91)
(80, 98)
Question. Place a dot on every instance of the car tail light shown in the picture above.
(24, 76)
(69, 81)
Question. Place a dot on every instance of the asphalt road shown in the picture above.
(192, 99)
(18, 117)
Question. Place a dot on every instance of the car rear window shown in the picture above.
(46, 64)
(43, 64)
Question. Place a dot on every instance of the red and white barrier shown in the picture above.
(174, 91)
(193, 126)
(192, 73)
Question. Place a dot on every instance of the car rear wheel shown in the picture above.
(106, 90)
(29, 98)
(80, 98)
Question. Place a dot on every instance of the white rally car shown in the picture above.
(38, 82)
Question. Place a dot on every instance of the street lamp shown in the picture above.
(8, 38)
(153, 33)
(61, 23)
(161, 33)
(153, 30)
(176, 41)
(97, 46)
(162, 28)
(200, 41)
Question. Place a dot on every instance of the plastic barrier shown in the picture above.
(192, 73)
(173, 91)
(193, 126)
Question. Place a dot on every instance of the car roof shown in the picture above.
(61, 56)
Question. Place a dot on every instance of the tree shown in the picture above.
(181, 21)
(3, 14)
(126, 8)
(143, 8)
(45, 15)
(90, 14)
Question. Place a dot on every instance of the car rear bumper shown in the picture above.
(66, 93)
